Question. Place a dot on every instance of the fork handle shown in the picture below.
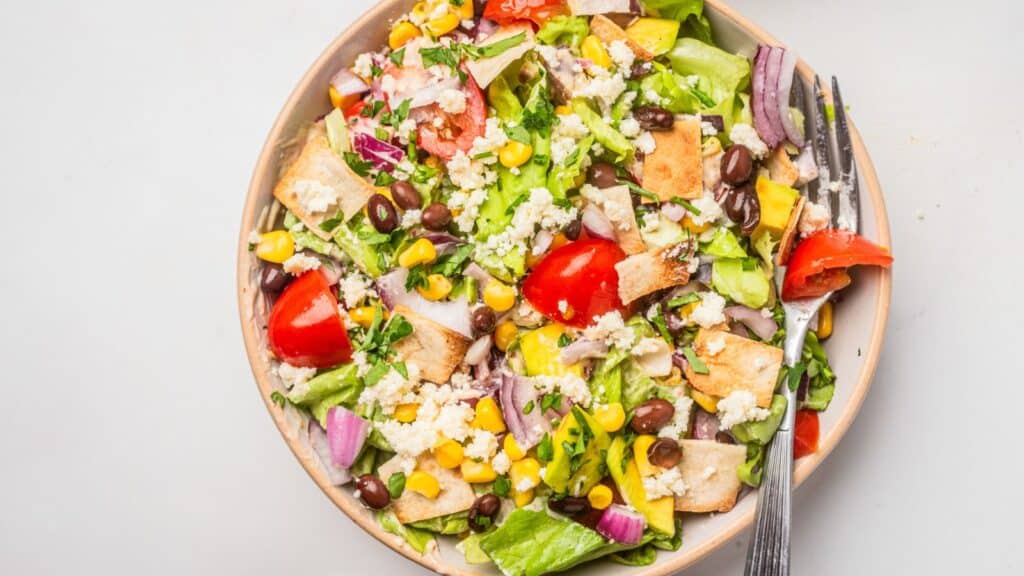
(768, 553)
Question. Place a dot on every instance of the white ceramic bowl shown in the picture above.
(853, 349)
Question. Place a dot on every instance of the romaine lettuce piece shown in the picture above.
(360, 241)
(565, 176)
(418, 539)
(470, 548)
(337, 132)
(724, 244)
(721, 78)
(750, 471)
(740, 281)
(821, 379)
(448, 525)
(340, 386)
(504, 101)
(762, 432)
(564, 31)
(609, 137)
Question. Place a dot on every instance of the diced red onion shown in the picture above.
(622, 525)
(759, 85)
(785, 87)
(680, 361)
(807, 166)
(484, 29)
(765, 328)
(739, 329)
(597, 224)
(454, 315)
(384, 155)
(673, 211)
(475, 271)
(348, 84)
(332, 269)
(346, 434)
(479, 351)
(426, 94)
(516, 393)
(541, 242)
(771, 96)
(705, 425)
(336, 475)
(582, 349)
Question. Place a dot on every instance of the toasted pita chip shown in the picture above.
(485, 70)
(781, 169)
(737, 364)
(648, 272)
(617, 205)
(676, 167)
(594, 7)
(608, 31)
(437, 350)
(320, 168)
(709, 470)
(456, 494)
(789, 234)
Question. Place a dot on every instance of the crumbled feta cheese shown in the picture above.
(390, 391)
(611, 330)
(254, 237)
(468, 174)
(630, 128)
(470, 204)
(563, 306)
(355, 287)
(405, 131)
(708, 472)
(388, 85)
(680, 423)
(359, 359)
(710, 210)
(715, 346)
(493, 140)
(647, 346)
(561, 149)
(651, 221)
(710, 311)
(501, 463)
(452, 101)
(483, 445)
(411, 218)
(441, 414)
(707, 128)
(814, 218)
(622, 55)
(526, 484)
(293, 376)
(738, 407)
(300, 263)
(746, 135)
(572, 387)
(604, 89)
(645, 143)
(468, 24)
(666, 483)
(571, 126)
(538, 210)
(363, 66)
(315, 197)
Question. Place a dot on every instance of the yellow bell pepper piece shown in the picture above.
(422, 251)
(640, 447)
(777, 202)
(402, 34)
(424, 484)
(276, 246)
(600, 497)
(488, 416)
(512, 449)
(449, 454)
(477, 472)
(437, 287)
(592, 49)
(708, 403)
(542, 354)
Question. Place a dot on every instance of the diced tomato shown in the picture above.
(805, 438)
(354, 110)
(306, 328)
(577, 282)
(819, 264)
(538, 11)
(458, 131)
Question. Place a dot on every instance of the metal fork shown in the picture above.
(768, 553)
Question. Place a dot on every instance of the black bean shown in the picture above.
(569, 505)
(406, 196)
(486, 506)
(665, 452)
(572, 231)
(603, 175)
(652, 415)
(724, 438)
(640, 69)
(484, 320)
(743, 207)
(437, 217)
(737, 165)
(382, 213)
(273, 279)
(654, 118)
(372, 492)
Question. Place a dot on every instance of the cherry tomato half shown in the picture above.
(818, 264)
(539, 11)
(306, 328)
(805, 440)
(458, 131)
(582, 275)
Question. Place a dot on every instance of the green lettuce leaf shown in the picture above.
(337, 132)
(564, 176)
(448, 525)
(722, 78)
(504, 101)
(564, 31)
(750, 471)
(689, 12)
(731, 278)
(765, 245)
(724, 244)
(821, 379)
(609, 137)
(762, 432)
(341, 386)
(356, 239)
(418, 539)
(470, 548)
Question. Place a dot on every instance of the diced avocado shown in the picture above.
(656, 35)
(660, 513)
(543, 355)
(777, 203)
(560, 474)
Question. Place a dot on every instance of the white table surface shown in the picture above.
(132, 437)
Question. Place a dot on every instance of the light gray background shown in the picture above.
(131, 435)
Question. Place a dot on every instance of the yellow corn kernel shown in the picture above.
(693, 227)
(687, 310)
(406, 413)
(276, 247)
(401, 34)
(592, 49)
(449, 454)
(825, 321)
(466, 10)
(423, 483)
(504, 334)
(563, 110)
(640, 447)
(611, 417)
(477, 472)
(488, 416)
(499, 296)
(512, 449)
(437, 287)
(525, 471)
(443, 25)
(339, 100)
(364, 315)
(422, 251)
(523, 498)
(600, 497)
(515, 154)
(708, 403)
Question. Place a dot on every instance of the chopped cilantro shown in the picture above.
(357, 164)
(693, 209)
(696, 363)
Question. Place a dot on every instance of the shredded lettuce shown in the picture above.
(565, 176)
(357, 240)
(689, 12)
(448, 525)
(750, 471)
(418, 539)
(470, 548)
(564, 31)
(340, 386)
(721, 78)
(764, 244)
(740, 281)
(822, 380)
(609, 137)
(724, 244)
(762, 432)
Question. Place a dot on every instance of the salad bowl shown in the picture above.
(853, 349)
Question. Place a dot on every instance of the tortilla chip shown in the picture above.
(319, 165)
(456, 494)
(709, 470)
(648, 272)
(594, 7)
(436, 349)
(608, 31)
(789, 234)
(781, 169)
(485, 70)
(741, 364)
(676, 167)
(627, 231)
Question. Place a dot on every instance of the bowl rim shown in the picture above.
(678, 560)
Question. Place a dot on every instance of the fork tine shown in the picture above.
(822, 151)
(849, 192)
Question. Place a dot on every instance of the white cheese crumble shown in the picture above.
(315, 197)
(711, 310)
(651, 222)
(411, 218)
(355, 288)
(300, 263)
(680, 423)
(622, 55)
(814, 218)
(746, 135)
(645, 143)
(441, 414)
(483, 445)
(710, 210)
(707, 128)
(738, 407)
(538, 211)
(452, 101)
(667, 483)
(571, 126)
(492, 141)
(612, 330)
(470, 204)
(630, 128)
(715, 346)
(572, 387)
(293, 376)
(363, 66)
(501, 463)
(526, 484)
(359, 359)
(468, 174)
(405, 131)
(604, 89)
(561, 149)
(647, 346)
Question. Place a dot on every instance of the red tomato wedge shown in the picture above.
(805, 440)
(819, 263)
(306, 328)
(538, 11)
(582, 274)
(458, 131)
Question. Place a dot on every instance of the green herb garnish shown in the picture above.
(396, 485)
(696, 363)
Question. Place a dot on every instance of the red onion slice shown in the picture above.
(336, 475)
(479, 351)
(785, 87)
(622, 525)
(597, 224)
(673, 211)
(516, 393)
(581, 350)
(765, 328)
(348, 84)
(761, 123)
(473, 270)
(541, 242)
(346, 433)
(384, 155)
(771, 96)
(705, 426)
(454, 315)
